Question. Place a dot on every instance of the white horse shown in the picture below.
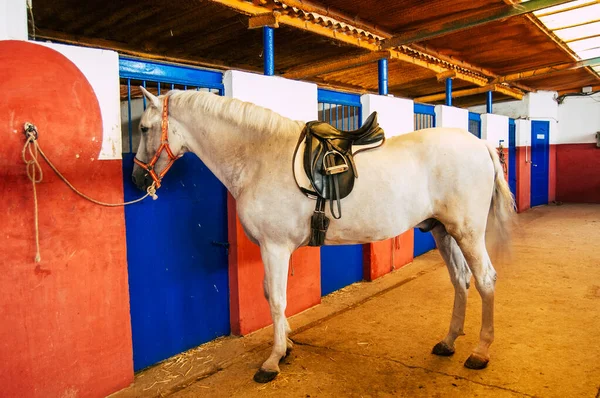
(441, 178)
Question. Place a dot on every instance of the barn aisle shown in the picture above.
(374, 339)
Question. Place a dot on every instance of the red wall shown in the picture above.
(65, 328)
(578, 173)
(249, 308)
(377, 256)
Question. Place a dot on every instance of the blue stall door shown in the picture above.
(340, 266)
(178, 278)
(540, 139)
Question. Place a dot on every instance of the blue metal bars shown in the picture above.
(475, 124)
(424, 116)
(341, 110)
(155, 77)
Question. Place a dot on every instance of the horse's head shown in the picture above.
(160, 142)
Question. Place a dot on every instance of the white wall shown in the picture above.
(523, 132)
(449, 116)
(293, 99)
(396, 116)
(13, 20)
(579, 119)
(494, 128)
(101, 68)
(512, 109)
(541, 105)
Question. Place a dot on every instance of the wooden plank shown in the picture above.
(336, 65)
(548, 70)
(479, 81)
(124, 49)
(473, 91)
(441, 29)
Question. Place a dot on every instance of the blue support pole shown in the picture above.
(383, 76)
(488, 102)
(269, 50)
(449, 91)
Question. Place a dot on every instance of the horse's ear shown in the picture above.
(151, 97)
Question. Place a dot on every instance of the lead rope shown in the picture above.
(502, 158)
(32, 167)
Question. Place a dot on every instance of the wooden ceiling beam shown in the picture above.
(477, 80)
(334, 66)
(547, 71)
(440, 29)
(466, 65)
(517, 94)
(122, 48)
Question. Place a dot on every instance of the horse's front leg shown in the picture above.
(276, 261)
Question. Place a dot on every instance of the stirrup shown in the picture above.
(334, 169)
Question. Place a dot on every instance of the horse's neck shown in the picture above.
(234, 154)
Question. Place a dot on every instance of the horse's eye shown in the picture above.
(144, 129)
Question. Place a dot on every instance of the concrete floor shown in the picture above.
(374, 339)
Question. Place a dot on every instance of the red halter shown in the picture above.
(164, 144)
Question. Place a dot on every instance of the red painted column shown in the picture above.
(249, 310)
(65, 328)
(523, 196)
(552, 174)
(380, 258)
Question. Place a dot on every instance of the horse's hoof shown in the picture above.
(442, 349)
(476, 362)
(265, 376)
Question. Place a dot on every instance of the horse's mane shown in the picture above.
(240, 113)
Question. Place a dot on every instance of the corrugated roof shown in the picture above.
(577, 24)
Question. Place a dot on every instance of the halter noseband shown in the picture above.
(164, 145)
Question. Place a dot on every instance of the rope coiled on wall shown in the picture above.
(30, 153)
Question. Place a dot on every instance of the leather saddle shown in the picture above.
(328, 162)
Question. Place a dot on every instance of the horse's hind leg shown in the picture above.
(460, 276)
(473, 247)
(276, 261)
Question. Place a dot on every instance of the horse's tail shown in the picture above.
(502, 209)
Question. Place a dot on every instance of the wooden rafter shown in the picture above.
(547, 71)
(466, 65)
(357, 41)
(335, 65)
(499, 88)
(470, 21)
(125, 49)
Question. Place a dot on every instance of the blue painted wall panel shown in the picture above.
(340, 266)
(178, 279)
(424, 242)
